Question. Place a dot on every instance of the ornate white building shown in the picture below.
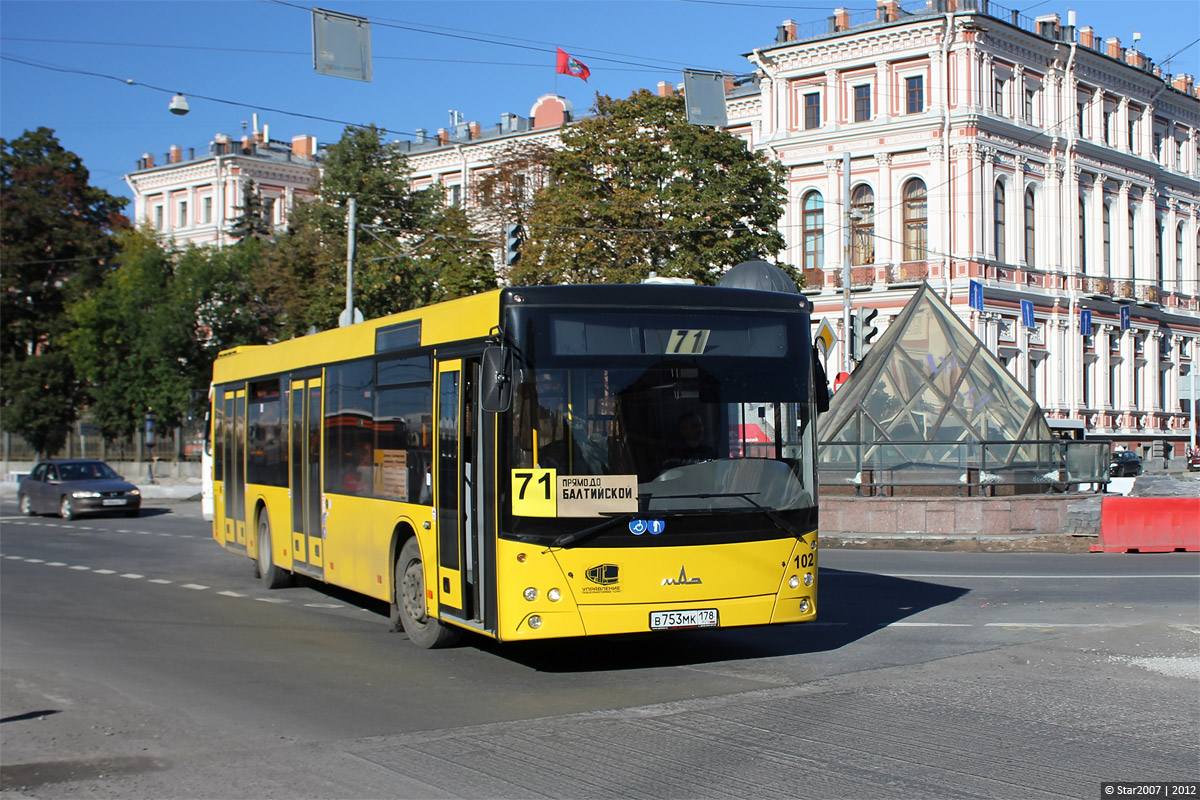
(195, 199)
(1048, 167)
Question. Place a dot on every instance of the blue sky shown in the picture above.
(430, 58)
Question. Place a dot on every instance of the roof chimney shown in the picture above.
(147, 160)
(1087, 37)
(420, 136)
(176, 154)
(841, 19)
(304, 146)
(665, 89)
(1113, 47)
(443, 136)
(474, 130)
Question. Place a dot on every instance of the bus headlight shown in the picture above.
(531, 594)
(794, 582)
(804, 605)
(554, 595)
(808, 579)
(535, 622)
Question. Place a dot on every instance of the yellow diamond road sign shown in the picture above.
(825, 337)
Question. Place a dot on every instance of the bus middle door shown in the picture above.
(234, 490)
(307, 540)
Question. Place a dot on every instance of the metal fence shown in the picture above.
(180, 444)
(979, 467)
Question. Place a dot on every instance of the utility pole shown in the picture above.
(846, 243)
(347, 318)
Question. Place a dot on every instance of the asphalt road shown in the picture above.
(139, 659)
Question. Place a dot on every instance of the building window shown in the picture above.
(814, 230)
(1179, 156)
(1083, 234)
(1029, 94)
(916, 220)
(1159, 231)
(914, 90)
(862, 103)
(998, 221)
(269, 210)
(455, 195)
(1158, 147)
(183, 217)
(862, 226)
(1114, 375)
(998, 95)
(1107, 225)
(1087, 385)
(1131, 139)
(1080, 119)
(158, 218)
(206, 211)
(1132, 241)
(1030, 218)
(1178, 257)
(812, 111)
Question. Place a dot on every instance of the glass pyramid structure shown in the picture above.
(929, 404)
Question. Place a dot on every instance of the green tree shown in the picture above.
(253, 222)
(636, 189)
(56, 243)
(405, 241)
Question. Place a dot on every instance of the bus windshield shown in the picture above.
(705, 411)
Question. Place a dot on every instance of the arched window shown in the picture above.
(814, 230)
(862, 226)
(998, 221)
(1083, 234)
(1030, 216)
(916, 220)
(1107, 239)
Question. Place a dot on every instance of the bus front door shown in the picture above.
(234, 443)
(307, 531)
(459, 483)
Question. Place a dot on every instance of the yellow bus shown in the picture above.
(535, 462)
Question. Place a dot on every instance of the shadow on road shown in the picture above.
(851, 605)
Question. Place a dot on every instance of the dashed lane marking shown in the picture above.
(231, 594)
(160, 581)
(195, 587)
(133, 576)
(105, 571)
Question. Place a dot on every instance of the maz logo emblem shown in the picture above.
(682, 579)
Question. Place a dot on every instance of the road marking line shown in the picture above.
(35, 561)
(15, 558)
(270, 600)
(55, 564)
(80, 567)
(230, 594)
(160, 581)
(323, 605)
(144, 533)
(195, 587)
(930, 625)
(133, 576)
(1050, 624)
(166, 534)
(105, 571)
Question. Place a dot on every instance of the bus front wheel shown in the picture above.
(422, 629)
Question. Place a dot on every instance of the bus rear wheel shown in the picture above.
(274, 576)
(422, 629)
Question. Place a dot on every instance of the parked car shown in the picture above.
(1193, 461)
(1124, 464)
(70, 487)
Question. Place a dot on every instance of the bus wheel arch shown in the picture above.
(410, 607)
(265, 567)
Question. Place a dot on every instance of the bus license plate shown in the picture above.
(690, 618)
(119, 502)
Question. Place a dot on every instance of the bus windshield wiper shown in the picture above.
(570, 539)
(771, 513)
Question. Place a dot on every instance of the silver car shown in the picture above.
(70, 487)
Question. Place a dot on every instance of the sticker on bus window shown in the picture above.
(687, 342)
(534, 492)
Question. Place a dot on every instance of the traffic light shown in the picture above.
(863, 331)
(514, 237)
(870, 330)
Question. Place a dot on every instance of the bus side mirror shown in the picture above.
(820, 385)
(496, 391)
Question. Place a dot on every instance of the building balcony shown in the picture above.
(1149, 294)
(1123, 289)
(1100, 287)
